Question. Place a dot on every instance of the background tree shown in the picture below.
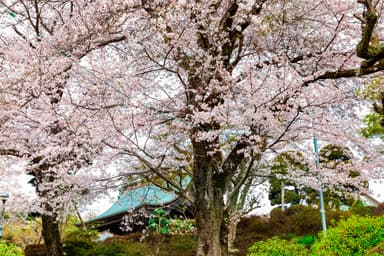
(285, 165)
(41, 45)
(334, 160)
(373, 91)
(340, 159)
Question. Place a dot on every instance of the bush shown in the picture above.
(278, 247)
(111, 248)
(115, 248)
(153, 244)
(180, 245)
(22, 231)
(162, 224)
(354, 236)
(359, 209)
(159, 222)
(10, 249)
(78, 247)
(307, 240)
(377, 250)
(79, 242)
(302, 220)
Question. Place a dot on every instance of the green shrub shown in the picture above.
(22, 231)
(359, 209)
(78, 247)
(303, 220)
(79, 242)
(250, 230)
(132, 245)
(159, 222)
(377, 250)
(182, 227)
(162, 224)
(306, 240)
(354, 236)
(180, 245)
(278, 247)
(116, 248)
(10, 249)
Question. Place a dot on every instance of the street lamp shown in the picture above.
(3, 197)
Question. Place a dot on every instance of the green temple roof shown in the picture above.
(133, 199)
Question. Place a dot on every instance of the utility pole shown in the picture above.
(317, 161)
(282, 196)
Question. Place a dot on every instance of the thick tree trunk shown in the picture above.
(209, 224)
(51, 234)
(209, 202)
(50, 223)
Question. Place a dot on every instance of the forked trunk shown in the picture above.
(51, 235)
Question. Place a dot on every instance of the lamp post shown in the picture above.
(4, 197)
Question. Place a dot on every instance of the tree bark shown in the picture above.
(233, 220)
(50, 223)
(209, 223)
(209, 201)
(51, 234)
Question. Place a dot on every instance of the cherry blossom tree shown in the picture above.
(42, 43)
(204, 72)
(200, 88)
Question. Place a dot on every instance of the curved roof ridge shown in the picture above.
(135, 198)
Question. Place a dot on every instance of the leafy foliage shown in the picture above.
(374, 125)
(22, 231)
(374, 121)
(113, 248)
(306, 240)
(132, 245)
(291, 164)
(334, 154)
(162, 224)
(278, 247)
(10, 249)
(354, 236)
(159, 222)
(283, 165)
(296, 221)
(119, 249)
(79, 242)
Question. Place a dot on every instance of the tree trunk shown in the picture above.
(210, 187)
(233, 220)
(209, 229)
(51, 234)
(50, 222)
